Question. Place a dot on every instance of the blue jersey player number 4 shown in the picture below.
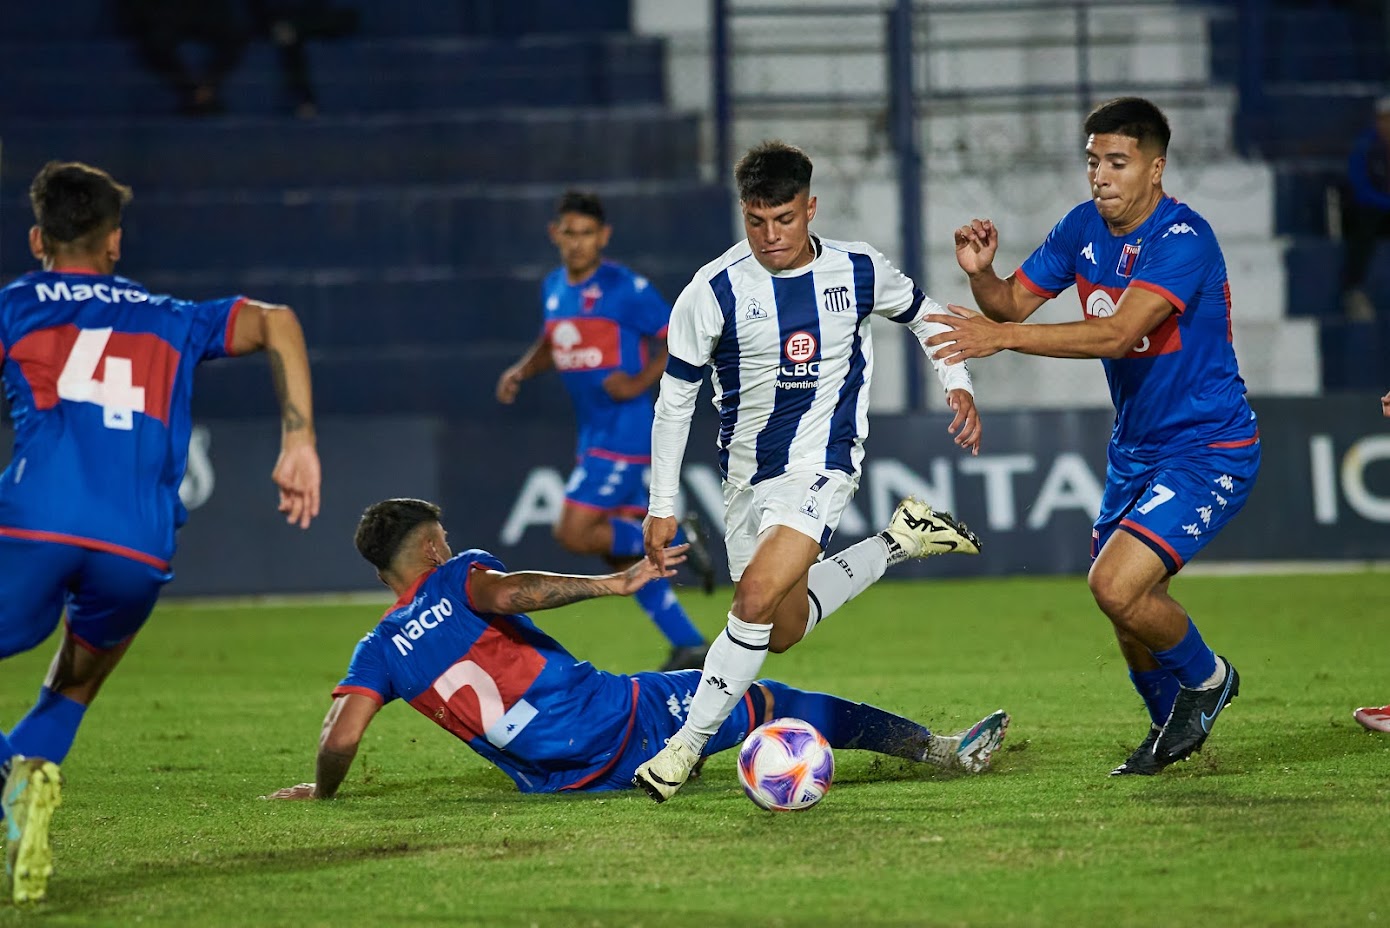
(1185, 448)
(98, 374)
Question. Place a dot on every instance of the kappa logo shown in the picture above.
(754, 310)
(1089, 252)
(1180, 228)
(836, 299)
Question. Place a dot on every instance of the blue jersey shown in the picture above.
(99, 378)
(594, 328)
(1179, 386)
(509, 690)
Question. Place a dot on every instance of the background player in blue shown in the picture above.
(604, 331)
(457, 647)
(1185, 448)
(98, 374)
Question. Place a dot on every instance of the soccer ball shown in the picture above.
(786, 766)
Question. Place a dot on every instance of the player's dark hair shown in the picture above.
(384, 526)
(1132, 117)
(583, 202)
(75, 204)
(772, 173)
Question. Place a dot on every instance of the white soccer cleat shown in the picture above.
(917, 531)
(32, 791)
(979, 742)
(667, 772)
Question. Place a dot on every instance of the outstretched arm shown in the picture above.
(973, 336)
(276, 331)
(343, 727)
(536, 359)
(495, 593)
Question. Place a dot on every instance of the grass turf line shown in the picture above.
(1280, 821)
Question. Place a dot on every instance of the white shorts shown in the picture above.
(810, 502)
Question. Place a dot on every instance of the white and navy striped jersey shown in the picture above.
(792, 357)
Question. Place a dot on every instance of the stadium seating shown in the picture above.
(407, 222)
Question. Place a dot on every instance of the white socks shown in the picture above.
(731, 666)
(834, 582)
(1218, 676)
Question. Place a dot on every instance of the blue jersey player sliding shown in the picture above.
(604, 331)
(1185, 448)
(98, 373)
(457, 647)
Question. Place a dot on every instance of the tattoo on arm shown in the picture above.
(535, 590)
(290, 416)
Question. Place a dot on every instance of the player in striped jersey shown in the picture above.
(782, 318)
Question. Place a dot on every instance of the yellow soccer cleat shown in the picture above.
(34, 789)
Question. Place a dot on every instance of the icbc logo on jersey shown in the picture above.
(800, 349)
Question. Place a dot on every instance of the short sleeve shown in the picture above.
(1175, 264)
(458, 570)
(697, 322)
(213, 324)
(646, 311)
(367, 673)
(1051, 268)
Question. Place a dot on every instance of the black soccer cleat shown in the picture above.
(698, 556)
(1193, 713)
(1142, 762)
(687, 657)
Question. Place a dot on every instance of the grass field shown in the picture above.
(1282, 820)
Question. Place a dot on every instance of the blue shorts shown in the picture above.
(609, 482)
(662, 701)
(107, 597)
(1178, 505)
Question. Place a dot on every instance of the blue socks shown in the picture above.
(1190, 660)
(49, 728)
(852, 725)
(627, 539)
(659, 601)
(1159, 689)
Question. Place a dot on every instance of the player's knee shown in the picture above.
(756, 600)
(1114, 597)
(569, 539)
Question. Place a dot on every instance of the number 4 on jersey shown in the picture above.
(115, 393)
